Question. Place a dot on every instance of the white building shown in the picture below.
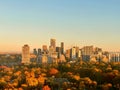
(73, 53)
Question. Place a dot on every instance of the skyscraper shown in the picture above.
(53, 43)
(58, 50)
(73, 52)
(26, 54)
(62, 47)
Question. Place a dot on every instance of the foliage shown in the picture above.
(78, 75)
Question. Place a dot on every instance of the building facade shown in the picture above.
(114, 57)
(26, 54)
(62, 47)
(53, 43)
(87, 51)
(73, 53)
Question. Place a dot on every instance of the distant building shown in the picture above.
(33, 57)
(44, 58)
(79, 54)
(97, 50)
(35, 51)
(58, 50)
(52, 58)
(54, 55)
(77, 51)
(62, 47)
(51, 50)
(67, 54)
(45, 50)
(114, 56)
(53, 43)
(26, 54)
(73, 53)
(39, 51)
(87, 51)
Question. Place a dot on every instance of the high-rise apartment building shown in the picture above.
(87, 51)
(26, 54)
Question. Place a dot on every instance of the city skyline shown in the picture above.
(76, 23)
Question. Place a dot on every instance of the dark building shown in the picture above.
(35, 51)
(39, 51)
(62, 47)
(58, 50)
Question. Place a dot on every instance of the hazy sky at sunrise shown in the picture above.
(75, 22)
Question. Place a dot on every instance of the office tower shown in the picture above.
(53, 43)
(26, 54)
(58, 50)
(39, 51)
(73, 53)
(35, 51)
(87, 51)
(62, 47)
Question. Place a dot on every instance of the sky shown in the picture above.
(74, 22)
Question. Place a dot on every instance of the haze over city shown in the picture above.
(79, 22)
